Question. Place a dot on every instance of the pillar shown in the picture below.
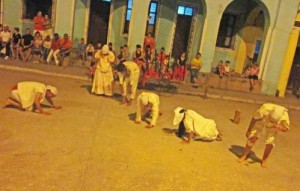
(64, 22)
(288, 61)
(138, 23)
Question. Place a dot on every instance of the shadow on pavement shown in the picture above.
(87, 87)
(238, 151)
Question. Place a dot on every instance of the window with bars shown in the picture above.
(226, 37)
(31, 7)
(127, 16)
(152, 14)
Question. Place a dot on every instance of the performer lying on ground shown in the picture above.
(195, 125)
(271, 119)
(29, 96)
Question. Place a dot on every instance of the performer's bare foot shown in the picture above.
(242, 159)
(137, 122)
(123, 101)
(264, 164)
(149, 126)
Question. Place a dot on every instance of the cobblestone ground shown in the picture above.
(93, 144)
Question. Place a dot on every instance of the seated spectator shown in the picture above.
(179, 72)
(81, 54)
(161, 56)
(149, 41)
(138, 56)
(227, 71)
(120, 55)
(98, 46)
(26, 45)
(195, 66)
(37, 50)
(46, 48)
(253, 77)
(65, 46)
(126, 53)
(110, 46)
(246, 72)
(55, 44)
(90, 53)
(5, 37)
(220, 69)
(16, 40)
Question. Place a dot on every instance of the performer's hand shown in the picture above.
(248, 134)
(57, 107)
(46, 113)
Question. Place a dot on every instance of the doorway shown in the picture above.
(294, 78)
(98, 21)
(182, 31)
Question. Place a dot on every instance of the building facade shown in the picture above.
(236, 30)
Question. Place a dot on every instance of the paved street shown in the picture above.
(93, 144)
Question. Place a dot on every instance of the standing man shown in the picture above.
(149, 102)
(129, 74)
(28, 96)
(39, 23)
(270, 118)
(196, 64)
(102, 83)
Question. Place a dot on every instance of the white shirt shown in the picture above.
(5, 36)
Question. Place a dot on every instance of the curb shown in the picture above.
(213, 96)
(19, 69)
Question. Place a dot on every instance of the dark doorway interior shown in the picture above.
(182, 34)
(294, 79)
(98, 21)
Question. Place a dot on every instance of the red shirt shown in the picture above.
(55, 44)
(161, 57)
(39, 23)
(65, 43)
(149, 41)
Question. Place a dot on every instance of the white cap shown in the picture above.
(277, 113)
(105, 49)
(178, 115)
(52, 89)
(144, 99)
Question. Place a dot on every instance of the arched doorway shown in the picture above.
(241, 34)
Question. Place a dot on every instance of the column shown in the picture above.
(288, 61)
(64, 22)
(138, 22)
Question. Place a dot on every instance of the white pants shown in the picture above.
(55, 55)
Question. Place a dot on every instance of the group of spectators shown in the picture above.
(152, 64)
(251, 71)
(13, 45)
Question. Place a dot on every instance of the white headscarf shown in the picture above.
(277, 113)
(52, 89)
(144, 99)
(178, 117)
(105, 49)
